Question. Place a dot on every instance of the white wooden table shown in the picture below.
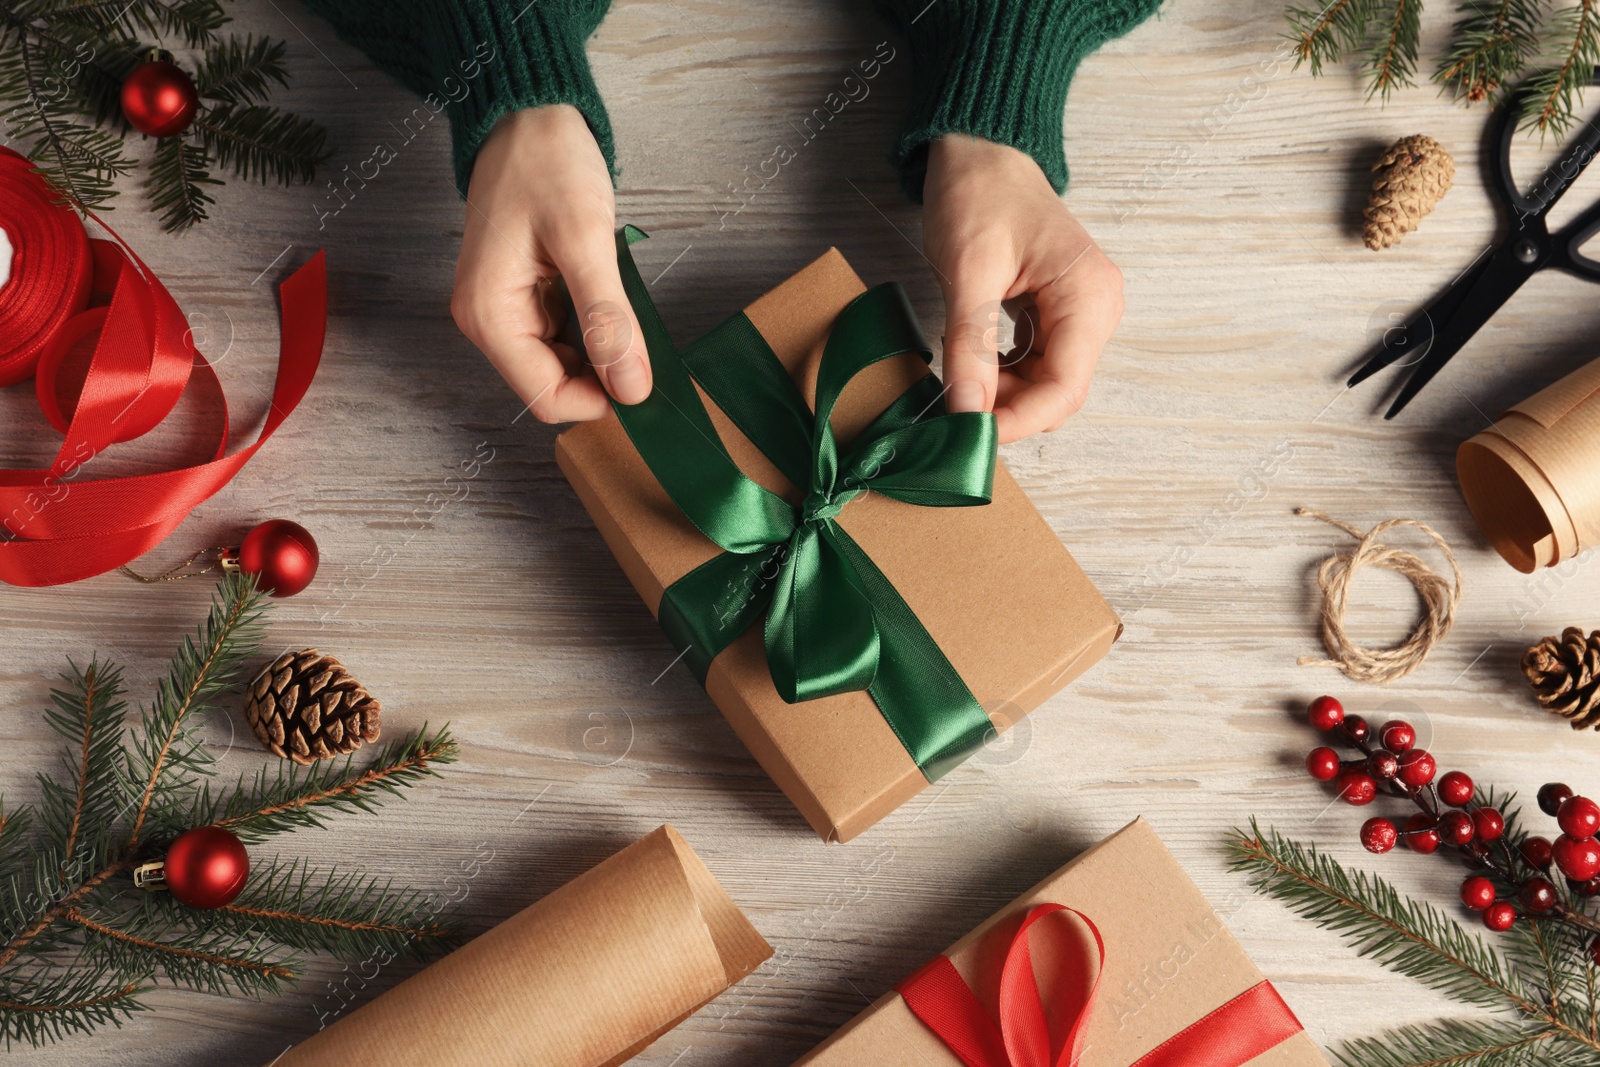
(1228, 188)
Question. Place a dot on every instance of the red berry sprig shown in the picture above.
(1450, 814)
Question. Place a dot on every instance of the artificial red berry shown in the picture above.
(1579, 817)
(1323, 763)
(1594, 951)
(1356, 728)
(1578, 859)
(1325, 713)
(1538, 895)
(1383, 766)
(1378, 835)
(1417, 767)
(1536, 852)
(1551, 794)
(1591, 888)
(1477, 892)
(1488, 823)
(1421, 834)
(1356, 786)
(1455, 789)
(1397, 736)
(1499, 916)
(1455, 828)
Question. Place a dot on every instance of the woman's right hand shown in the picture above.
(540, 208)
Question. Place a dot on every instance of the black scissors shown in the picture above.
(1430, 337)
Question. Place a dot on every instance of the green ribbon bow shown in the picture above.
(834, 622)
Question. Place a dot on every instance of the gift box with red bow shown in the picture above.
(1116, 960)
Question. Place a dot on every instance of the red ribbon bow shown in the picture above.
(144, 359)
(1236, 1033)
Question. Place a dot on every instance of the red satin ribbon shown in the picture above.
(1231, 1036)
(144, 359)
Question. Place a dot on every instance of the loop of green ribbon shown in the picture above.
(834, 622)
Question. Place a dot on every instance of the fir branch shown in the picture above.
(352, 916)
(177, 174)
(47, 915)
(198, 672)
(50, 1007)
(238, 72)
(1327, 33)
(1393, 58)
(214, 963)
(261, 142)
(195, 22)
(1490, 45)
(1553, 95)
(89, 713)
(1410, 937)
(291, 797)
(1451, 1043)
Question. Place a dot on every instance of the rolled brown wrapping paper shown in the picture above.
(1532, 480)
(587, 977)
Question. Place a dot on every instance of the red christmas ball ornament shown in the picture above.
(1488, 823)
(1538, 895)
(159, 99)
(281, 555)
(1325, 713)
(1356, 728)
(1356, 786)
(1552, 795)
(1536, 853)
(1323, 764)
(1578, 859)
(1456, 828)
(204, 868)
(1579, 817)
(1500, 917)
(1455, 789)
(1397, 736)
(1417, 767)
(1477, 892)
(1378, 835)
(1422, 834)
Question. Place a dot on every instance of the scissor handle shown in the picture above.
(1562, 173)
(1572, 237)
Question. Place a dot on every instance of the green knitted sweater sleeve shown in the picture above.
(999, 70)
(479, 59)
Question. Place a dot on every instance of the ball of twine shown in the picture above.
(1439, 599)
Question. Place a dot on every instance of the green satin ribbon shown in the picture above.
(834, 622)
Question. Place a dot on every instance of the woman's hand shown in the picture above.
(996, 231)
(539, 208)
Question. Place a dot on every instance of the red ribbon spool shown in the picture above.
(64, 529)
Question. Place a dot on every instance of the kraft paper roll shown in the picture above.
(1532, 480)
(587, 977)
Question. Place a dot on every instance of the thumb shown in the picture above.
(610, 332)
(971, 340)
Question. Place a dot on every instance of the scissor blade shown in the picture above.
(1419, 332)
(1500, 275)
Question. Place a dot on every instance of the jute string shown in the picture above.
(1439, 599)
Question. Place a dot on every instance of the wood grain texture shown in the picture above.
(1226, 186)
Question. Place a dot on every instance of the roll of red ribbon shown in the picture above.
(49, 270)
(63, 527)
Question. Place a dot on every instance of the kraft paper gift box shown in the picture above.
(993, 586)
(588, 976)
(1175, 988)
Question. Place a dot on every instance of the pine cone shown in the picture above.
(1413, 175)
(306, 707)
(1565, 674)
